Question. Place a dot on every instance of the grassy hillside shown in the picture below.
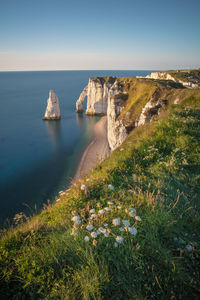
(150, 182)
(192, 75)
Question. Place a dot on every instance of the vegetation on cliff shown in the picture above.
(154, 175)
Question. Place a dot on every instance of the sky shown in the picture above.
(99, 35)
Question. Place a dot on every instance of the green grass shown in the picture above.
(156, 171)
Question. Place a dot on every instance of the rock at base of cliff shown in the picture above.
(53, 110)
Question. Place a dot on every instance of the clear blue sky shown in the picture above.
(90, 34)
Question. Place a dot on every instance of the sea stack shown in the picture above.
(53, 109)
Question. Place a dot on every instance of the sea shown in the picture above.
(39, 158)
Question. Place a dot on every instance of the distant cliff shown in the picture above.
(188, 78)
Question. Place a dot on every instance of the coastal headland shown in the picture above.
(132, 230)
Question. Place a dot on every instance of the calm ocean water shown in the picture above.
(39, 158)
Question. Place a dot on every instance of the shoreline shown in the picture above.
(97, 150)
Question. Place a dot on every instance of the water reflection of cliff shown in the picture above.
(86, 122)
(54, 132)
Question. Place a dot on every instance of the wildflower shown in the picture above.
(86, 238)
(121, 229)
(93, 234)
(132, 214)
(137, 218)
(89, 227)
(110, 187)
(119, 207)
(126, 223)
(132, 209)
(76, 219)
(89, 219)
(119, 239)
(107, 208)
(92, 211)
(116, 222)
(58, 200)
(102, 230)
(106, 234)
(110, 203)
(83, 187)
(88, 179)
(189, 248)
(115, 244)
(132, 230)
(101, 211)
(93, 216)
(105, 224)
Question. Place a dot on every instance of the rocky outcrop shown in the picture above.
(151, 109)
(116, 130)
(53, 110)
(161, 75)
(96, 92)
(79, 102)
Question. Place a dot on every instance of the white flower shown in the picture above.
(76, 219)
(188, 248)
(116, 222)
(92, 211)
(58, 200)
(137, 218)
(106, 234)
(126, 223)
(102, 230)
(101, 211)
(132, 214)
(119, 207)
(93, 216)
(121, 229)
(107, 208)
(89, 227)
(88, 179)
(110, 187)
(105, 224)
(83, 187)
(132, 230)
(86, 238)
(119, 239)
(93, 234)
(115, 244)
(110, 203)
(132, 209)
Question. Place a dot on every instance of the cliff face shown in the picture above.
(109, 95)
(96, 92)
(116, 130)
(53, 110)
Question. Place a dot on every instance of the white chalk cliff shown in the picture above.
(103, 97)
(97, 97)
(53, 110)
(167, 76)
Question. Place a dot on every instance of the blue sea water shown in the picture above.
(39, 158)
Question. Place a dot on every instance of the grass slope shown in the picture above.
(155, 171)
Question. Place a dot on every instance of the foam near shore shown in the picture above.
(97, 151)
